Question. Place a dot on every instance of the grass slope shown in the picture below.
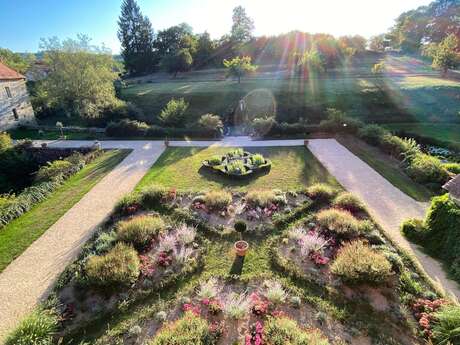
(387, 167)
(18, 235)
(293, 168)
(448, 132)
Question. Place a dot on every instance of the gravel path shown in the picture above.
(387, 204)
(29, 278)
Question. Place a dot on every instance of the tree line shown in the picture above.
(178, 49)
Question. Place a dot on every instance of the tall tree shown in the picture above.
(445, 54)
(239, 66)
(242, 27)
(16, 61)
(205, 50)
(136, 36)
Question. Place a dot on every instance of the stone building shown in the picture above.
(15, 107)
(453, 187)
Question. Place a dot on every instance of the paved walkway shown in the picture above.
(30, 277)
(387, 204)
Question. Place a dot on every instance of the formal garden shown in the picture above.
(227, 259)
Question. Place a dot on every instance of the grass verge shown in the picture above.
(293, 168)
(18, 235)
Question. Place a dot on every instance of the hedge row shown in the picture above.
(132, 128)
(11, 207)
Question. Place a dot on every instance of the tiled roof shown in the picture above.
(7, 73)
(453, 186)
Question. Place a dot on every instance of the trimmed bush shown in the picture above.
(413, 229)
(446, 325)
(283, 330)
(122, 206)
(340, 222)
(321, 192)
(338, 122)
(348, 202)
(173, 114)
(211, 122)
(139, 231)
(36, 329)
(190, 329)
(453, 168)
(126, 128)
(357, 263)
(424, 168)
(372, 134)
(152, 196)
(217, 200)
(120, 266)
(5, 142)
(240, 226)
(54, 170)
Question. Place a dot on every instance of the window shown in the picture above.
(15, 114)
(8, 91)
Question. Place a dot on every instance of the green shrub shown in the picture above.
(262, 125)
(152, 196)
(321, 191)
(372, 134)
(5, 142)
(54, 170)
(215, 160)
(139, 231)
(126, 201)
(338, 122)
(342, 223)
(257, 159)
(236, 167)
(173, 114)
(190, 329)
(210, 122)
(283, 330)
(413, 229)
(240, 226)
(217, 200)
(424, 168)
(36, 329)
(348, 202)
(446, 325)
(120, 266)
(454, 168)
(394, 145)
(261, 198)
(105, 241)
(357, 263)
(126, 128)
(236, 153)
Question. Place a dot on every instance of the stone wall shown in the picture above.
(18, 101)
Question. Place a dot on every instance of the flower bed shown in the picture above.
(238, 163)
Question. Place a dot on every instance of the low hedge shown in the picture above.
(131, 128)
(14, 206)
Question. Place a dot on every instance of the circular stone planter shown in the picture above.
(245, 158)
(241, 247)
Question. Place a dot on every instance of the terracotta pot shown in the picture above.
(241, 247)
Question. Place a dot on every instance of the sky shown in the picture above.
(24, 22)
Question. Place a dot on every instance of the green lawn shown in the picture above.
(23, 231)
(293, 168)
(448, 132)
(387, 167)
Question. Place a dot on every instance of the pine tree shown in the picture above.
(136, 36)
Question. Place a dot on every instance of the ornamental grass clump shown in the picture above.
(120, 266)
(283, 330)
(357, 263)
(215, 160)
(275, 292)
(312, 242)
(190, 329)
(209, 289)
(38, 328)
(236, 167)
(348, 202)
(446, 325)
(321, 192)
(140, 230)
(152, 196)
(262, 198)
(257, 159)
(185, 234)
(237, 306)
(217, 200)
(342, 223)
